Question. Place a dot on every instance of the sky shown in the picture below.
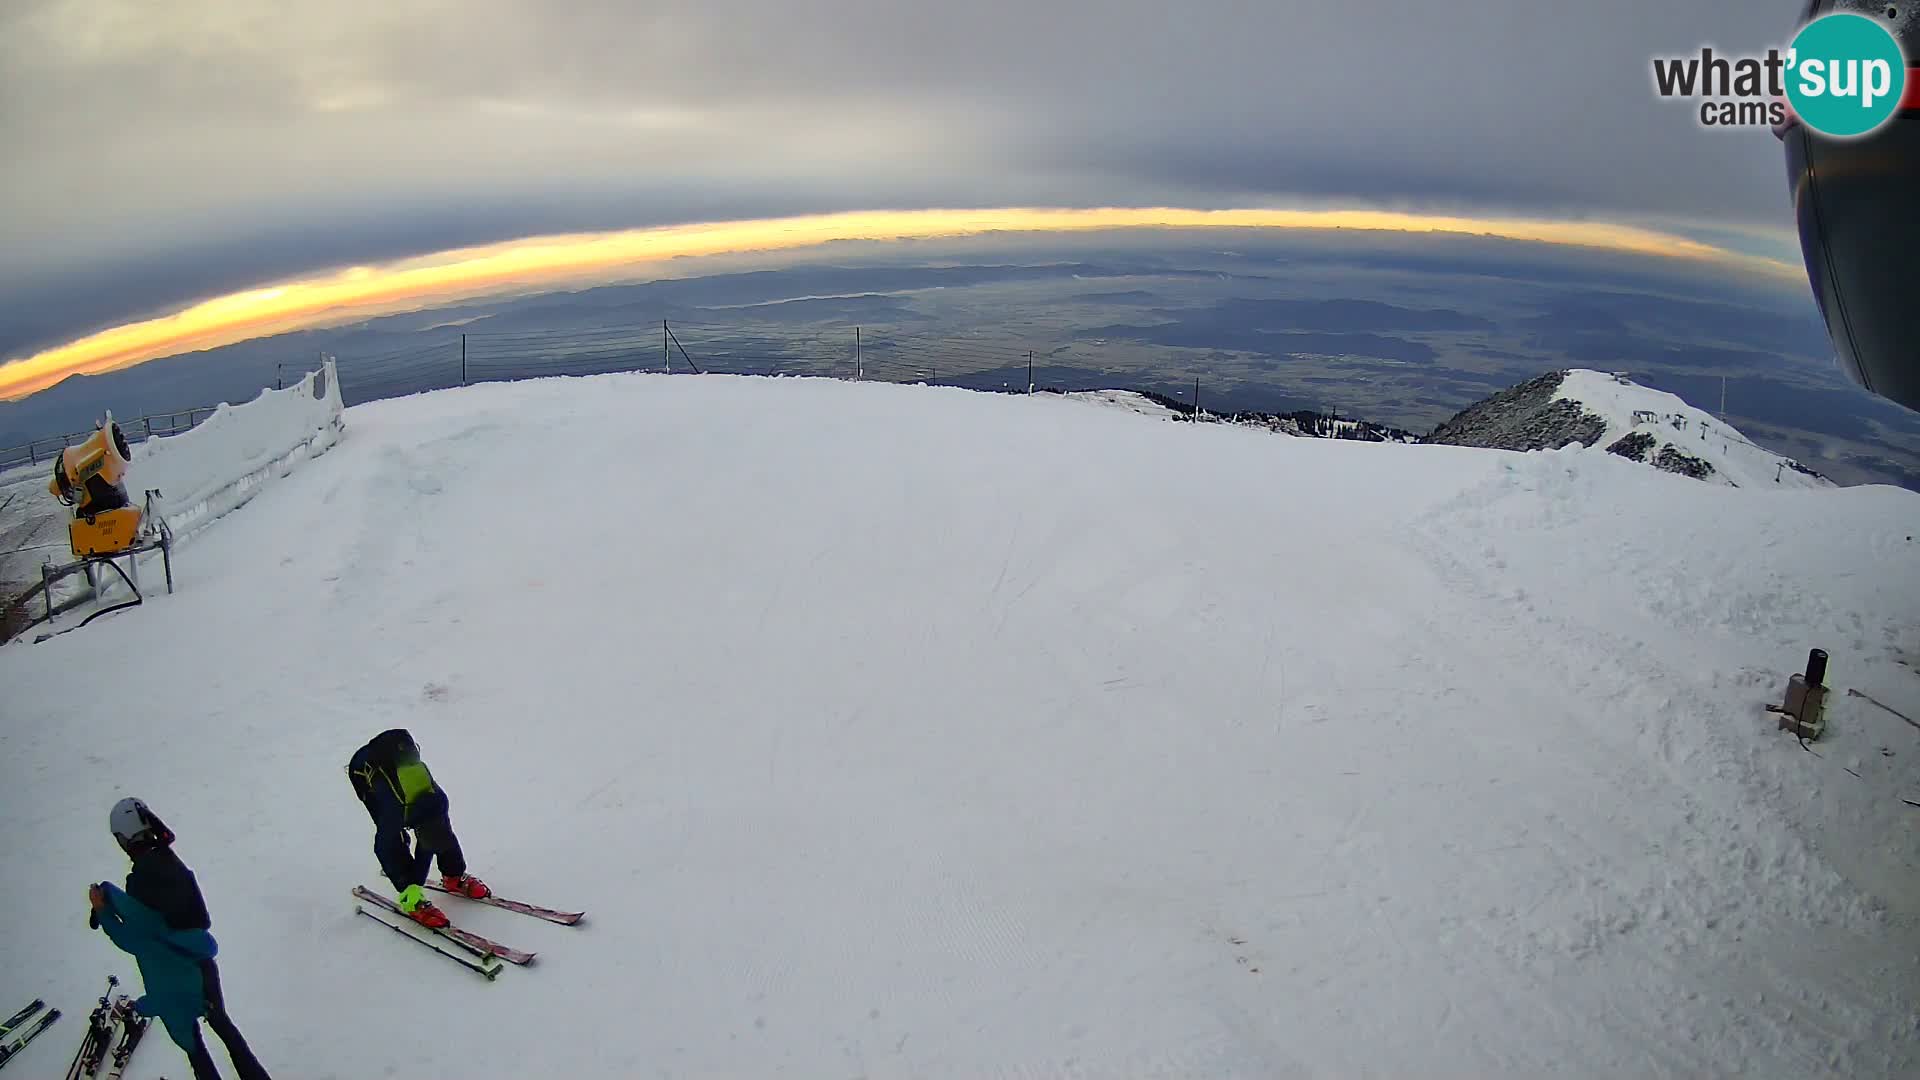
(160, 155)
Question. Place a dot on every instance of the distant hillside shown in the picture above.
(1305, 422)
(1598, 409)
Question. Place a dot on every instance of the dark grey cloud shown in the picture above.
(157, 150)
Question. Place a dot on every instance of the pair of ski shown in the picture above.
(113, 1016)
(16, 1033)
(132, 1027)
(475, 952)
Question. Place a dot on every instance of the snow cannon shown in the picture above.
(91, 479)
(1859, 234)
(107, 530)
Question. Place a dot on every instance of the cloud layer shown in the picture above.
(159, 152)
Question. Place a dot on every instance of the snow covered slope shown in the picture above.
(905, 731)
(1611, 413)
(1668, 433)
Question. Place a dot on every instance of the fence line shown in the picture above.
(674, 346)
(139, 429)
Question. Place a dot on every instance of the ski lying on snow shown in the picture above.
(489, 967)
(482, 947)
(14, 1021)
(564, 918)
(8, 1050)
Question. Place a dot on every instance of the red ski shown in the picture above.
(482, 947)
(564, 918)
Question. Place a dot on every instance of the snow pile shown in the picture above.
(1662, 430)
(1130, 400)
(904, 731)
(220, 464)
(1320, 426)
(1303, 423)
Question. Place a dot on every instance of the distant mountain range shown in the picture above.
(1557, 409)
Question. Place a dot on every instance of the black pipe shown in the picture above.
(1817, 667)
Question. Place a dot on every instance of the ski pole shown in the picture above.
(86, 1060)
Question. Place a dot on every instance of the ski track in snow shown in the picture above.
(897, 731)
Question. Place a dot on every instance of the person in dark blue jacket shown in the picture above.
(400, 794)
(161, 920)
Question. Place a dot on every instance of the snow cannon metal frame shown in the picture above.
(106, 527)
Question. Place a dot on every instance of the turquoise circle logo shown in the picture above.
(1847, 75)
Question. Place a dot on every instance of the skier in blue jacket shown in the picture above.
(161, 920)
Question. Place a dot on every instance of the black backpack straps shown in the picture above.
(378, 759)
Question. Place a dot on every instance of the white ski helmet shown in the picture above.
(132, 823)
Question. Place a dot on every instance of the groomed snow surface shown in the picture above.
(901, 731)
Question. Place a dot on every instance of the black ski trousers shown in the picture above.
(437, 842)
(244, 1062)
(406, 864)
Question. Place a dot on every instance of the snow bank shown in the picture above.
(221, 463)
(899, 731)
(1121, 399)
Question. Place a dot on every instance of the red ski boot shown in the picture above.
(465, 885)
(429, 916)
(421, 910)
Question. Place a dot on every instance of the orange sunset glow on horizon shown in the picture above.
(535, 263)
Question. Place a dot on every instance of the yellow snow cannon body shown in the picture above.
(91, 479)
